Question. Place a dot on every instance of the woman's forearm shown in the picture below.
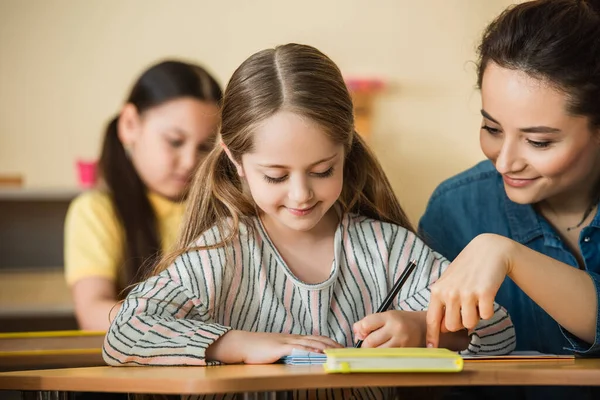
(567, 294)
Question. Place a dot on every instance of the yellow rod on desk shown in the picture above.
(13, 335)
(49, 352)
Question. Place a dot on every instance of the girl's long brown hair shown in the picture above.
(302, 80)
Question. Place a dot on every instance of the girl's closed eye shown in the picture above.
(271, 179)
(205, 147)
(175, 143)
(324, 174)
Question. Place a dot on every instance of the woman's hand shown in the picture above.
(263, 348)
(465, 292)
(391, 329)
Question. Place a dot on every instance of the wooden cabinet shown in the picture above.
(33, 293)
(363, 92)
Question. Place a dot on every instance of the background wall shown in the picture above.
(66, 65)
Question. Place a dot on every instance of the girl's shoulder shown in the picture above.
(226, 232)
(211, 253)
(359, 224)
(92, 204)
(360, 230)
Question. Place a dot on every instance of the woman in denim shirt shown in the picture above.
(531, 211)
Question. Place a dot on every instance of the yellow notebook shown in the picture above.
(392, 360)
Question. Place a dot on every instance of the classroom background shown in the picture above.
(66, 65)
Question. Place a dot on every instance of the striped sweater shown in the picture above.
(172, 318)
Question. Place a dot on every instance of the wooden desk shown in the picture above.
(63, 359)
(57, 349)
(33, 292)
(278, 377)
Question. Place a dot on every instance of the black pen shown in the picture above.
(394, 292)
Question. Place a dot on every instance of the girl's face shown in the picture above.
(167, 142)
(294, 173)
(542, 152)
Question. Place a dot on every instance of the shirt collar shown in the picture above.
(522, 219)
(596, 221)
(526, 224)
(163, 206)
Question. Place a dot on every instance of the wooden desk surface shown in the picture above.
(65, 360)
(30, 291)
(278, 377)
(56, 349)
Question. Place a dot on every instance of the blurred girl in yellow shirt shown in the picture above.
(151, 150)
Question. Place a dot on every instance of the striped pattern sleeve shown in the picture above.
(493, 336)
(162, 322)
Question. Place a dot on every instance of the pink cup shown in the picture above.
(86, 173)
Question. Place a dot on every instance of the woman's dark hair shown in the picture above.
(165, 81)
(556, 41)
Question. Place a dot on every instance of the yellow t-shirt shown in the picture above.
(94, 237)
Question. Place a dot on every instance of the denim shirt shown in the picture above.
(475, 202)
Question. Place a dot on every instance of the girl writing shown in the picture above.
(292, 238)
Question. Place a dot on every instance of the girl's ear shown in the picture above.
(129, 126)
(238, 167)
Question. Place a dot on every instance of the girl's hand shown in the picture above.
(465, 292)
(392, 329)
(263, 348)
